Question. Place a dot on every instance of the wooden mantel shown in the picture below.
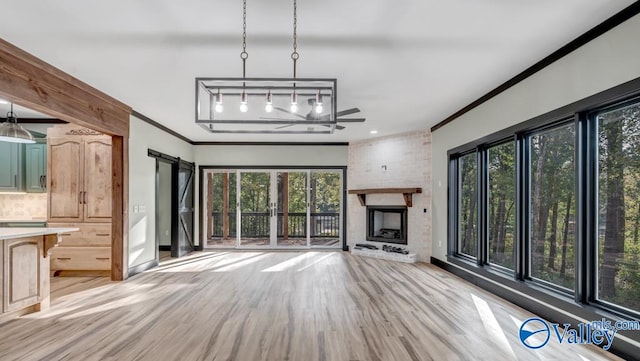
(407, 193)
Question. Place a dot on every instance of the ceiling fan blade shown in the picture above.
(292, 113)
(284, 126)
(339, 127)
(341, 113)
(347, 112)
(351, 120)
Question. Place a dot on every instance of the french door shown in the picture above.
(281, 208)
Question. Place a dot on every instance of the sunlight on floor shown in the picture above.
(241, 263)
(492, 326)
(122, 302)
(289, 263)
(315, 262)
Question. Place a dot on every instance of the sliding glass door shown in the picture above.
(283, 208)
(293, 228)
(256, 209)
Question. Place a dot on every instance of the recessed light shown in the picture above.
(373, 132)
(2, 101)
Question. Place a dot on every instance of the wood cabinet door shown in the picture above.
(65, 168)
(21, 273)
(9, 164)
(97, 179)
(36, 168)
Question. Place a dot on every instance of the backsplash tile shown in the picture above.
(29, 205)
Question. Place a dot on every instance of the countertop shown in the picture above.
(22, 219)
(11, 233)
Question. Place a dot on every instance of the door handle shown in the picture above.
(80, 197)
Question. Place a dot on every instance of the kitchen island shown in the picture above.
(24, 269)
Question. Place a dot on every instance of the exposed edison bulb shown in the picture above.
(218, 107)
(243, 102)
(318, 108)
(294, 102)
(268, 107)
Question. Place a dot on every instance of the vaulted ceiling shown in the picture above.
(407, 64)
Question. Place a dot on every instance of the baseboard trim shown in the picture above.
(142, 267)
(164, 248)
(554, 310)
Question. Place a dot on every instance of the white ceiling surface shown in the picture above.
(407, 64)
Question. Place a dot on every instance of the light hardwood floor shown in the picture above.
(277, 306)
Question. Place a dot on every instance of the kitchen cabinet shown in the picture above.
(11, 166)
(79, 196)
(79, 178)
(35, 168)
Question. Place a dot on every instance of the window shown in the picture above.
(618, 216)
(555, 203)
(552, 210)
(467, 198)
(501, 204)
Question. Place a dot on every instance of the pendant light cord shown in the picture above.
(295, 55)
(244, 55)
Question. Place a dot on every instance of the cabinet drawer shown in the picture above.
(89, 235)
(81, 258)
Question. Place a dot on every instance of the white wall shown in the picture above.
(250, 155)
(164, 203)
(605, 62)
(142, 185)
(407, 157)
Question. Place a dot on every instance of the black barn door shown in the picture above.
(184, 209)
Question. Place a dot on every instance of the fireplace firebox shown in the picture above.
(387, 224)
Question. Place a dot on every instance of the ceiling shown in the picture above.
(407, 64)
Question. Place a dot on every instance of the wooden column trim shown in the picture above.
(50, 241)
(209, 230)
(119, 210)
(225, 206)
(285, 205)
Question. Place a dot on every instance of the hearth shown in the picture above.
(387, 224)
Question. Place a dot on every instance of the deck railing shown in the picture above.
(257, 224)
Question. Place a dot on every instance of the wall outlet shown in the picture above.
(136, 209)
(440, 243)
(166, 232)
(142, 208)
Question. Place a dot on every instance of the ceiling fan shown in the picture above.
(313, 115)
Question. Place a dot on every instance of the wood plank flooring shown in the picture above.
(277, 306)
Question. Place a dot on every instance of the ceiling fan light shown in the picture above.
(243, 102)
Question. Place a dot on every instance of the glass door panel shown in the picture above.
(292, 209)
(221, 212)
(255, 209)
(325, 199)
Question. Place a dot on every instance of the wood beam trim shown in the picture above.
(29, 81)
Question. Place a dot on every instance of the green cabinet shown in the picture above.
(35, 168)
(10, 167)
